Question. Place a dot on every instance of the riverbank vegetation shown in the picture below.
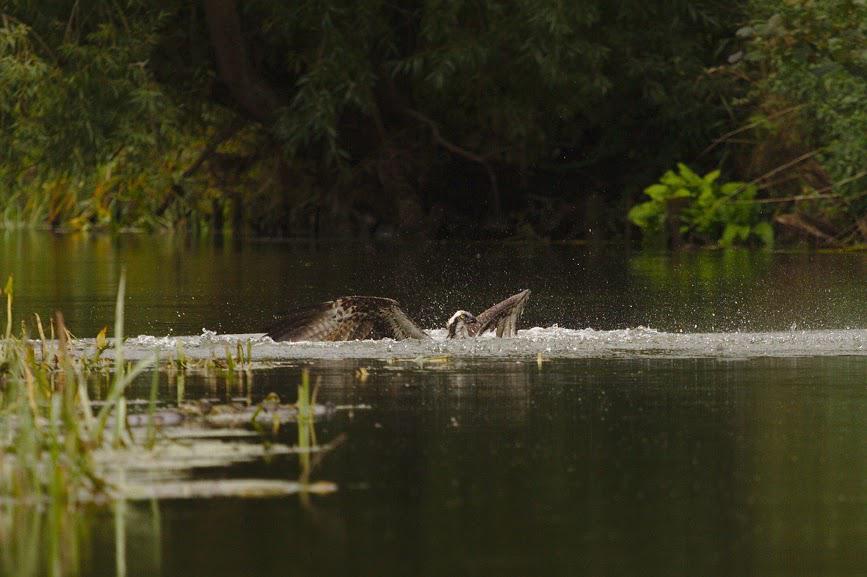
(428, 119)
(68, 436)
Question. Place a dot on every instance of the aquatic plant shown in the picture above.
(48, 430)
(701, 209)
(59, 446)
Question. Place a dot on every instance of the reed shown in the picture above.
(48, 430)
(54, 439)
(52, 434)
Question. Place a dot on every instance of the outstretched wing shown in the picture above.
(393, 323)
(503, 316)
(347, 319)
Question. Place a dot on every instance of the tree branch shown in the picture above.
(254, 96)
(782, 167)
(219, 138)
(746, 127)
(494, 196)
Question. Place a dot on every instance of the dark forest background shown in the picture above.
(724, 122)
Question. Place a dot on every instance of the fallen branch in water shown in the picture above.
(799, 224)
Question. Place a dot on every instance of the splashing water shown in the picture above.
(551, 342)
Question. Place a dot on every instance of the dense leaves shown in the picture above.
(808, 64)
(701, 209)
(427, 117)
(70, 96)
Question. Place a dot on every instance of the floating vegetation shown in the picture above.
(59, 446)
(210, 488)
(225, 415)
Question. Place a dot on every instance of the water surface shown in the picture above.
(178, 286)
(691, 414)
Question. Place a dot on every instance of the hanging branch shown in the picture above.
(219, 138)
(494, 196)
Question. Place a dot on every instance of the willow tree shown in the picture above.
(349, 111)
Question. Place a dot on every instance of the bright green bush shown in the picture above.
(712, 212)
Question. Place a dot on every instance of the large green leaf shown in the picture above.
(658, 192)
(765, 232)
(647, 215)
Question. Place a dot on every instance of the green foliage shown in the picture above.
(103, 105)
(814, 54)
(710, 212)
(71, 97)
(88, 136)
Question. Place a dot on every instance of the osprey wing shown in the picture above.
(395, 324)
(503, 316)
(347, 319)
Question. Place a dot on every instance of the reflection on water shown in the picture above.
(614, 452)
(623, 467)
(48, 538)
(179, 287)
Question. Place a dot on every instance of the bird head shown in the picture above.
(459, 325)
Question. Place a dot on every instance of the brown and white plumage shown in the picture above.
(360, 317)
(348, 319)
(502, 319)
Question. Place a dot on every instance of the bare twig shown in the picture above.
(796, 222)
(749, 126)
(847, 180)
(795, 198)
(816, 195)
(784, 166)
(782, 180)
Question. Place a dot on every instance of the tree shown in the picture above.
(359, 112)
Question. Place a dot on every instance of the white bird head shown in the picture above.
(461, 325)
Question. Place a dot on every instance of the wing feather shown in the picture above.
(399, 325)
(503, 317)
(345, 319)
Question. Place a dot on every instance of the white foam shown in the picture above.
(551, 342)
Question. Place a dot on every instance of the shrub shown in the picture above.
(707, 211)
(812, 55)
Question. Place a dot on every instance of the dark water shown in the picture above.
(495, 466)
(176, 286)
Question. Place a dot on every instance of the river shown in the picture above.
(698, 413)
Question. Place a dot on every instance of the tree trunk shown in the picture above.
(255, 98)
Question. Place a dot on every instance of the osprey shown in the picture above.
(358, 317)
